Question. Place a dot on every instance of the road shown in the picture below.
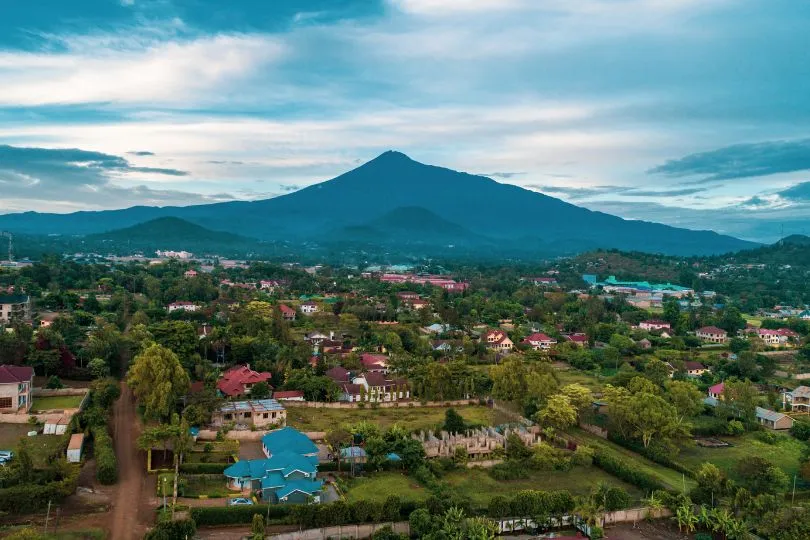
(129, 516)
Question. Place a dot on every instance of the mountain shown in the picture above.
(393, 198)
(168, 230)
(792, 250)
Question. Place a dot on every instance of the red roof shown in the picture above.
(495, 336)
(234, 380)
(374, 360)
(286, 310)
(337, 374)
(15, 374)
(692, 366)
(538, 337)
(376, 379)
(577, 338)
(288, 394)
(196, 387)
(711, 330)
(717, 388)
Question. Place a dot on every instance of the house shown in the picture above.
(316, 338)
(716, 391)
(308, 308)
(542, 281)
(287, 313)
(289, 395)
(407, 296)
(261, 413)
(182, 306)
(204, 331)
(418, 304)
(539, 341)
(805, 315)
(338, 374)
(712, 334)
(16, 384)
(374, 362)
(579, 339)
(287, 475)
(14, 306)
(353, 454)
(654, 324)
(497, 340)
(436, 328)
(74, 449)
(269, 285)
(374, 387)
(238, 380)
(445, 346)
(773, 420)
(694, 369)
(798, 399)
(190, 273)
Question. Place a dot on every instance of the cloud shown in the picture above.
(740, 161)
(141, 153)
(504, 175)
(577, 193)
(287, 188)
(664, 193)
(798, 192)
(95, 179)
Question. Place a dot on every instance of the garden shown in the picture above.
(55, 403)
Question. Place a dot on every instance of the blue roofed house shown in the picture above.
(287, 475)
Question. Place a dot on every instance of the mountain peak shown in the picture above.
(391, 156)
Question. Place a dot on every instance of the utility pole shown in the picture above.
(793, 497)
(47, 517)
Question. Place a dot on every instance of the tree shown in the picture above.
(158, 380)
(558, 413)
(257, 527)
(581, 397)
(686, 398)
(260, 390)
(453, 422)
(657, 371)
(98, 368)
(337, 439)
(759, 475)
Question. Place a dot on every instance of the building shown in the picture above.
(238, 381)
(190, 273)
(798, 399)
(716, 391)
(712, 334)
(774, 420)
(375, 363)
(16, 384)
(654, 324)
(261, 413)
(539, 341)
(777, 338)
(182, 306)
(287, 476)
(579, 339)
(289, 395)
(418, 304)
(74, 449)
(308, 308)
(375, 388)
(287, 313)
(497, 340)
(14, 306)
(694, 369)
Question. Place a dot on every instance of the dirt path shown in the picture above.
(129, 518)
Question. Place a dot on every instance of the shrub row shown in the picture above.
(237, 515)
(651, 454)
(106, 462)
(624, 471)
(26, 498)
(203, 468)
(172, 530)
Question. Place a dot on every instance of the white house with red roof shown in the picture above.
(577, 338)
(238, 380)
(712, 334)
(182, 306)
(287, 313)
(716, 391)
(654, 324)
(16, 384)
(190, 273)
(375, 387)
(776, 338)
(497, 340)
(374, 362)
(539, 341)
(695, 369)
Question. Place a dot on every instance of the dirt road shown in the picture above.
(129, 519)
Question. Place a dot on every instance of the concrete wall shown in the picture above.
(344, 531)
(47, 392)
(245, 435)
(381, 405)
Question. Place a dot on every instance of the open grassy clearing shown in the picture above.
(56, 402)
(571, 376)
(671, 478)
(786, 454)
(40, 446)
(378, 486)
(410, 418)
(481, 487)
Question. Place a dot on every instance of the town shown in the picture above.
(178, 395)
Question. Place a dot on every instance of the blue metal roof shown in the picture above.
(309, 487)
(288, 440)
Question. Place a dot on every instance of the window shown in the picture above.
(264, 415)
(247, 415)
(274, 415)
(5, 402)
(228, 417)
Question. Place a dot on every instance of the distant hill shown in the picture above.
(168, 230)
(792, 250)
(394, 198)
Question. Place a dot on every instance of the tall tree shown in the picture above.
(158, 380)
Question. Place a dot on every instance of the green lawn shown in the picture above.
(378, 486)
(410, 418)
(40, 446)
(56, 402)
(571, 376)
(669, 477)
(481, 487)
(786, 454)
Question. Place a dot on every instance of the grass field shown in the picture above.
(786, 454)
(379, 486)
(571, 376)
(481, 487)
(40, 446)
(56, 402)
(410, 418)
(667, 476)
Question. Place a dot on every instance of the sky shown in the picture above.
(688, 112)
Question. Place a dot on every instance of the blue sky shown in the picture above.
(689, 112)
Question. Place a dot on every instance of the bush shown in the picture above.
(54, 383)
(624, 471)
(173, 530)
(767, 437)
(26, 498)
(203, 468)
(106, 462)
(237, 515)
(735, 428)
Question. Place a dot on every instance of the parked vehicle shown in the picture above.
(239, 501)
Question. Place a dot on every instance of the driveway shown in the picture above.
(250, 450)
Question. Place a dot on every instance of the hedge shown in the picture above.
(622, 470)
(650, 454)
(26, 498)
(203, 468)
(173, 530)
(106, 462)
(237, 515)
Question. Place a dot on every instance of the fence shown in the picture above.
(380, 405)
(344, 531)
(245, 435)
